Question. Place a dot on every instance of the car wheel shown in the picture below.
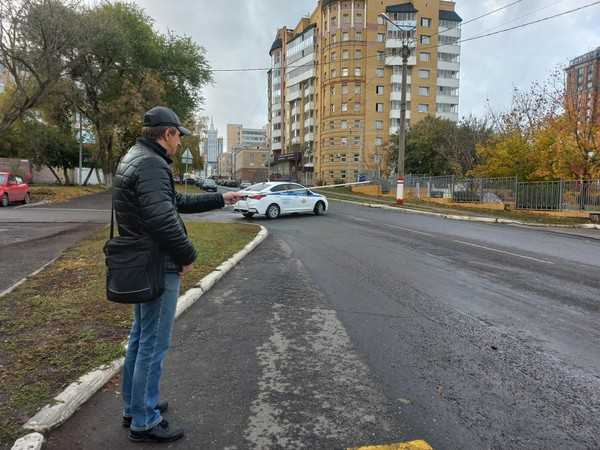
(4, 200)
(319, 208)
(27, 199)
(248, 214)
(272, 211)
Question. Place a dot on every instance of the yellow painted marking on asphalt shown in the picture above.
(411, 445)
(502, 251)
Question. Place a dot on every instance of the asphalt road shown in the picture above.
(35, 235)
(367, 326)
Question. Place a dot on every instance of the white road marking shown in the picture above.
(502, 251)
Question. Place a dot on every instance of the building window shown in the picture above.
(423, 108)
(379, 107)
(333, 73)
(344, 141)
(345, 36)
(251, 159)
(358, 36)
(379, 90)
(333, 38)
(334, 21)
(331, 142)
(344, 88)
(380, 20)
(357, 88)
(331, 125)
(425, 56)
(425, 22)
(379, 73)
(379, 124)
(425, 39)
(423, 73)
(333, 56)
(344, 54)
(344, 71)
(343, 174)
(357, 71)
(423, 90)
(357, 54)
(356, 106)
(378, 141)
(380, 56)
(357, 143)
(359, 18)
(332, 108)
(344, 124)
(356, 123)
(344, 107)
(380, 37)
(331, 174)
(345, 18)
(332, 90)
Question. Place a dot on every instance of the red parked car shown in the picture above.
(13, 188)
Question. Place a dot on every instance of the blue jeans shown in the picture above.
(148, 344)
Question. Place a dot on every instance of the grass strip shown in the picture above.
(58, 325)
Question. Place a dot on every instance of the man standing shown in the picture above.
(146, 202)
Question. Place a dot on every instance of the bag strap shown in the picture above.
(112, 214)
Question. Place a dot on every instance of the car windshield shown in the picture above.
(207, 182)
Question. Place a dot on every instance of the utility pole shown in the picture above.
(405, 53)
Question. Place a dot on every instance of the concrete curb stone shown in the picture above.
(472, 218)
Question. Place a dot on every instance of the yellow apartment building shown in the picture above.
(335, 82)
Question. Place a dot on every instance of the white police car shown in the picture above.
(273, 198)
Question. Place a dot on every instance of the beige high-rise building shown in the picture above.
(335, 82)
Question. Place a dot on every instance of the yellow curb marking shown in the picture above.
(412, 445)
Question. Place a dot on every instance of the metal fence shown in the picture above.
(563, 195)
(480, 190)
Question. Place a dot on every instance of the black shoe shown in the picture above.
(161, 406)
(160, 433)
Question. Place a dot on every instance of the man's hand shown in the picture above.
(186, 269)
(231, 197)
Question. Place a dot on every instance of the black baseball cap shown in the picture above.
(159, 116)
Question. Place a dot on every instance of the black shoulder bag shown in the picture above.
(135, 267)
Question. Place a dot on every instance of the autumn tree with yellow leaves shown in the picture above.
(544, 135)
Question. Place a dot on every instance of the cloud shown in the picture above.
(238, 35)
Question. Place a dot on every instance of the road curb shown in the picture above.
(471, 218)
(77, 393)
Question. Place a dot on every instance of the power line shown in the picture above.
(440, 45)
(529, 23)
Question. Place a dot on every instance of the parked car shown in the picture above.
(276, 197)
(245, 184)
(13, 188)
(199, 182)
(231, 183)
(189, 181)
(209, 185)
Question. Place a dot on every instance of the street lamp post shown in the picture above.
(402, 136)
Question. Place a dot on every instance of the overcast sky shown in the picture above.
(238, 34)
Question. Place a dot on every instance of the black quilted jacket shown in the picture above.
(146, 202)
